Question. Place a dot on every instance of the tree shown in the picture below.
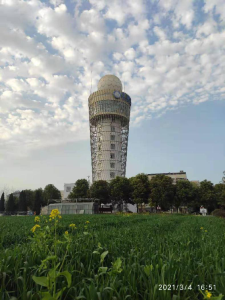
(2, 202)
(207, 195)
(195, 202)
(10, 204)
(80, 190)
(38, 196)
(220, 193)
(120, 190)
(100, 190)
(184, 193)
(50, 192)
(162, 191)
(29, 198)
(140, 188)
(22, 205)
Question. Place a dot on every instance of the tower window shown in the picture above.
(112, 155)
(113, 146)
(112, 137)
(112, 165)
(99, 148)
(112, 175)
(113, 128)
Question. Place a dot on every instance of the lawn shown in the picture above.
(112, 257)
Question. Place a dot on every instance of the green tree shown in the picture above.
(50, 192)
(195, 202)
(207, 195)
(220, 193)
(100, 190)
(140, 188)
(38, 198)
(2, 202)
(10, 204)
(22, 204)
(80, 190)
(120, 190)
(162, 191)
(29, 198)
(184, 193)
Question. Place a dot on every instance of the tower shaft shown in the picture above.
(109, 128)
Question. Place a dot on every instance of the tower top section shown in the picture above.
(110, 82)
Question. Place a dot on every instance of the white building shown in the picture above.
(109, 115)
(175, 176)
(67, 189)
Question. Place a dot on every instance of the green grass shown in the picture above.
(154, 249)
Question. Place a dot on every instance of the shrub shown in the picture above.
(219, 213)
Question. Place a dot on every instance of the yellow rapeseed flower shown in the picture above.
(54, 213)
(72, 226)
(201, 228)
(87, 222)
(60, 217)
(205, 230)
(66, 232)
(37, 219)
(208, 294)
(35, 227)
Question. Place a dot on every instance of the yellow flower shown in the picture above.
(37, 219)
(208, 294)
(66, 232)
(35, 227)
(205, 230)
(87, 222)
(72, 225)
(60, 217)
(54, 213)
(201, 228)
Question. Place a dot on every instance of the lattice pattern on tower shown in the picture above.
(109, 129)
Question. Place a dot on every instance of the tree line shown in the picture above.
(135, 190)
(29, 199)
(159, 191)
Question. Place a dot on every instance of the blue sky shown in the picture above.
(170, 56)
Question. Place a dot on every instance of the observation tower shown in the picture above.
(109, 116)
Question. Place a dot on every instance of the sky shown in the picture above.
(169, 56)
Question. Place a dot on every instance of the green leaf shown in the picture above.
(53, 274)
(102, 270)
(60, 293)
(53, 257)
(47, 296)
(96, 252)
(68, 277)
(43, 281)
(117, 265)
(103, 255)
(148, 269)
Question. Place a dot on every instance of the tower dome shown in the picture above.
(110, 82)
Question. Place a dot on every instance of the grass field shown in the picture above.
(112, 257)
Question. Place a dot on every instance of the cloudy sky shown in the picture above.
(170, 57)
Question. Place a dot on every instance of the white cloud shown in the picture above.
(52, 57)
